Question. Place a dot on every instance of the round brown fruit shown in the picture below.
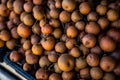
(92, 28)
(37, 49)
(75, 52)
(38, 13)
(80, 63)
(68, 5)
(92, 60)
(66, 62)
(70, 43)
(42, 74)
(35, 39)
(14, 33)
(57, 33)
(68, 75)
(64, 16)
(53, 56)
(3, 10)
(55, 76)
(15, 56)
(112, 15)
(48, 43)
(12, 15)
(60, 47)
(84, 8)
(92, 16)
(5, 35)
(43, 62)
(54, 13)
(46, 29)
(28, 20)
(36, 29)
(89, 40)
(71, 31)
(80, 25)
(27, 67)
(38, 2)
(11, 44)
(101, 9)
(103, 22)
(55, 23)
(2, 26)
(10, 4)
(97, 50)
(107, 44)
(85, 73)
(76, 16)
(107, 64)
(57, 69)
(31, 58)
(22, 15)
(17, 6)
(27, 45)
(58, 4)
(28, 6)
(23, 31)
(96, 73)
(114, 34)
(109, 76)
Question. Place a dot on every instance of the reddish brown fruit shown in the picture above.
(46, 29)
(70, 43)
(85, 73)
(107, 64)
(68, 75)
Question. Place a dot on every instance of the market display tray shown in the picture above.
(17, 68)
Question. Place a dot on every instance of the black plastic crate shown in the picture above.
(17, 68)
(2, 53)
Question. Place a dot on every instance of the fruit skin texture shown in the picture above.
(55, 76)
(42, 74)
(84, 8)
(92, 28)
(107, 64)
(89, 41)
(66, 62)
(15, 56)
(65, 16)
(37, 49)
(46, 29)
(107, 44)
(68, 5)
(96, 73)
(60, 47)
(72, 31)
(112, 15)
(48, 43)
(68, 75)
(92, 59)
(23, 31)
(85, 73)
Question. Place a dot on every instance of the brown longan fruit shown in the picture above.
(92, 16)
(28, 6)
(71, 31)
(64, 16)
(53, 56)
(27, 45)
(112, 15)
(85, 73)
(80, 25)
(60, 47)
(15, 56)
(107, 64)
(68, 5)
(107, 44)
(27, 67)
(36, 29)
(92, 59)
(10, 4)
(54, 13)
(80, 63)
(75, 52)
(101, 9)
(37, 49)
(70, 43)
(70, 75)
(46, 29)
(55, 76)
(5, 35)
(11, 44)
(84, 8)
(76, 16)
(4, 10)
(89, 40)
(28, 20)
(55, 23)
(96, 73)
(2, 43)
(57, 33)
(92, 28)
